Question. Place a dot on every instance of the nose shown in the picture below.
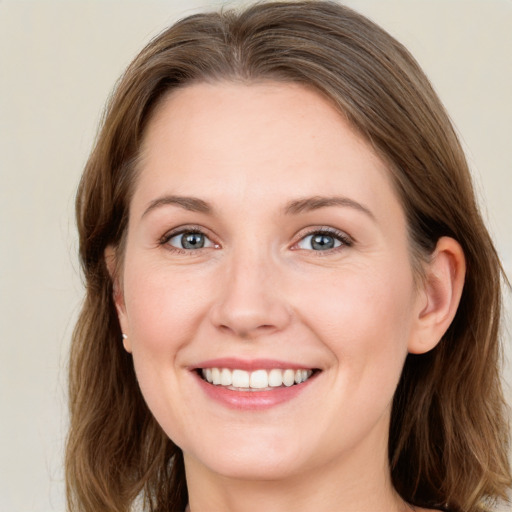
(251, 302)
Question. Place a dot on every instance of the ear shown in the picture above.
(440, 295)
(118, 296)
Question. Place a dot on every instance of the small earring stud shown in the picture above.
(124, 336)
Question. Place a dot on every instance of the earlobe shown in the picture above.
(126, 343)
(117, 293)
(440, 295)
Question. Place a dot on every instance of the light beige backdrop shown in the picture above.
(58, 62)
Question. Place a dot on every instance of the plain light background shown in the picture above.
(58, 63)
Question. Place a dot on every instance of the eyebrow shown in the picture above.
(308, 204)
(192, 204)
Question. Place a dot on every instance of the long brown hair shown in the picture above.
(448, 439)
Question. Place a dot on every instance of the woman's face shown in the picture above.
(264, 238)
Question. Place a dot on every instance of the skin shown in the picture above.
(258, 289)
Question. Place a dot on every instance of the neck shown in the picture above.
(352, 482)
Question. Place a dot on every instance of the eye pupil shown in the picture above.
(192, 240)
(322, 242)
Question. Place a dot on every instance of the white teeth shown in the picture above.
(258, 379)
(225, 377)
(240, 379)
(215, 376)
(275, 378)
(301, 376)
(288, 378)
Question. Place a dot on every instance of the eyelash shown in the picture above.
(164, 241)
(342, 237)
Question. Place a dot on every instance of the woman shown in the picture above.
(292, 301)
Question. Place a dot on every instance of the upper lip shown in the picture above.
(250, 364)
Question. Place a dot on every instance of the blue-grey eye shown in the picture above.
(190, 240)
(319, 242)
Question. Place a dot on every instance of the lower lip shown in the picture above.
(253, 400)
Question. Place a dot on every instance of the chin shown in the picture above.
(255, 462)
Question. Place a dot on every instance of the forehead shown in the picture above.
(262, 140)
(213, 115)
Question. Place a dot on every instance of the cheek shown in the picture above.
(365, 318)
(163, 307)
(163, 312)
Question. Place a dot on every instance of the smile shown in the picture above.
(253, 385)
(257, 380)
